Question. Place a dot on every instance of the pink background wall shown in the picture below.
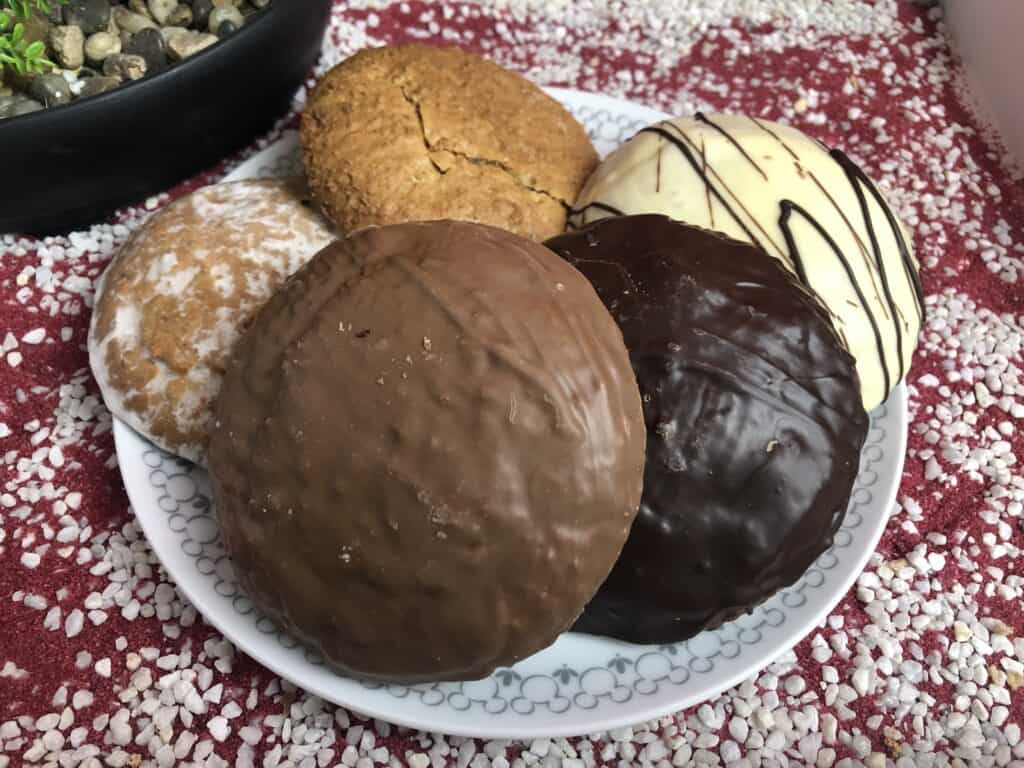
(988, 35)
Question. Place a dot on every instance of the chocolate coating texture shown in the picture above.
(429, 451)
(754, 424)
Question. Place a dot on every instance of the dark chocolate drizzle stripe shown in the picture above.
(657, 180)
(707, 189)
(702, 118)
(854, 172)
(611, 209)
(776, 136)
(685, 150)
(856, 177)
(725, 187)
(789, 207)
(853, 231)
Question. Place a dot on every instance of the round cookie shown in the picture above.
(754, 424)
(175, 298)
(429, 451)
(417, 133)
(807, 205)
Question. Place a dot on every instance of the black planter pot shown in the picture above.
(71, 166)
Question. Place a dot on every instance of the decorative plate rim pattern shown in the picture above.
(549, 694)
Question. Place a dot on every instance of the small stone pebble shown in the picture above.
(219, 728)
(795, 685)
(161, 10)
(183, 44)
(91, 16)
(181, 16)
(223, 13)
(22, 106)
(131, 22)
(30, 559)
(201, 10)
(101, 45)
(730, 751)
(68, 45)
(50, 90)
(94, 86)
(53, 741)
(150, 45)
(125, 66)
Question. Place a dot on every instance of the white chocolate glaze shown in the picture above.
(179, 294)
(805, 204)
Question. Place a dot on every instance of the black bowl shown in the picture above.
(71, 166)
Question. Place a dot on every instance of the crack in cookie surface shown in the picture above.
(498, 164)
(423, 130)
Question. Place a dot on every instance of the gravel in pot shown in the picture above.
(62, 51)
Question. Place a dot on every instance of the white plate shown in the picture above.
(579, 685)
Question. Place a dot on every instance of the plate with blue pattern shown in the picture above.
(579, 685)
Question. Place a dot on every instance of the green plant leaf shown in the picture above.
(15, 52)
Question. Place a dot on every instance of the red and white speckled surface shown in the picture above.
(103, 663)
